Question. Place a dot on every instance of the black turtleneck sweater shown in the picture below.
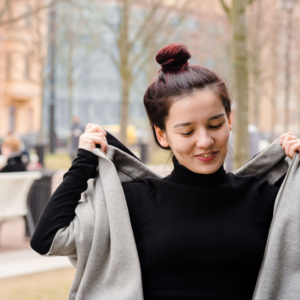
(198, 236)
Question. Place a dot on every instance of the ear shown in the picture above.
(161, 136)
(230, 123)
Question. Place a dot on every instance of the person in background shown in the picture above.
(74, 132)
(11, 149)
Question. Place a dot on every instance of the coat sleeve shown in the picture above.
(60, 209)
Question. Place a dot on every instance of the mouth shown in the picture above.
(207, 157)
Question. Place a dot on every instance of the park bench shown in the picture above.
(14, 189)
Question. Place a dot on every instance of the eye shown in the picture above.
(216, 127)
(187, 133)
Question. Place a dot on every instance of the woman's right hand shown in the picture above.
(93, 135)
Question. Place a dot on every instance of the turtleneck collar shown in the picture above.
(183, 175)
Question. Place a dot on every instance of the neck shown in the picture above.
(183, 175)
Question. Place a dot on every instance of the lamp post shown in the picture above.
(288, 5)
(52, 49)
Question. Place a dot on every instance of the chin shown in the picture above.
(209, 169)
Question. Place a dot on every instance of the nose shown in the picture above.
(204, 140)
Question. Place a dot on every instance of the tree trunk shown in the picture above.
(70, 81)
(42, 86)
(240, 71)
(70, 94)
(274, 85)
(125, 88)
(255, 59)
(123, 43)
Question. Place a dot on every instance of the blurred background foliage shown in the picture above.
(94, 59)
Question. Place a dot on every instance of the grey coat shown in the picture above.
(100, 244)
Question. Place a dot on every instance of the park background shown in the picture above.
(94, 59)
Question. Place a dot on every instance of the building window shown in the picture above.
(30, 119)
(12, 119)
(27, 66)
(8, 65)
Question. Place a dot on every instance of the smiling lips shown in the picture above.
(206, 157)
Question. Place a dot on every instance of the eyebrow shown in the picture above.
(183, 124)
(190, 123)
(216, 117)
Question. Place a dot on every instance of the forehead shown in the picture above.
(198, 107)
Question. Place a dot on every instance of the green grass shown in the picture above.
(57, 161)
(62, 160)
(160, 157)
(53, 285)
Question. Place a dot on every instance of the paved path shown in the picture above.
(16, 256)
(26, 261)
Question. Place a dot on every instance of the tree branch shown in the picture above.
(5, 6)
(158, 26)
(226, 8)
(30, 13)
(147, 21)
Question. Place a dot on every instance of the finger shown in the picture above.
(287, 147)
(91, 128)
(287, 138)
(96, 128)
(93, 140)
(284, 135)
(88, 126)
(101, 142)
(295, 147)
(96, 134)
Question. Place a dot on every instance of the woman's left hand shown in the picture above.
(289, 143)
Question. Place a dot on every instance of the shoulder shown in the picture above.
(253, 183)
(140, 187)
(137, 192)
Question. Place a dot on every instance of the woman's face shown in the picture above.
(6, 151)
(197, 130)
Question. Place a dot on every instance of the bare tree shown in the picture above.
(135, 27)
(265, 20)
(6, 18)
(73, 26)
(239, 65)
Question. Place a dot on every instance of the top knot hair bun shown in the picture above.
(173, 57)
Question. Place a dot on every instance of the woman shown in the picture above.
(11, 149)
(200, 232)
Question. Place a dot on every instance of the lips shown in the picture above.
(208, 154)
(206, 157)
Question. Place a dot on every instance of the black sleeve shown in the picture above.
(60, 209)
(111, 140)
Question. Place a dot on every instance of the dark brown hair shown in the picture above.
(176, 80)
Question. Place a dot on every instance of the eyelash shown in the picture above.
(215, 127)
(187, 133)
(212, 127)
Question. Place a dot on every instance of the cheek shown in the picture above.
(223, 137)
(182, 145)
